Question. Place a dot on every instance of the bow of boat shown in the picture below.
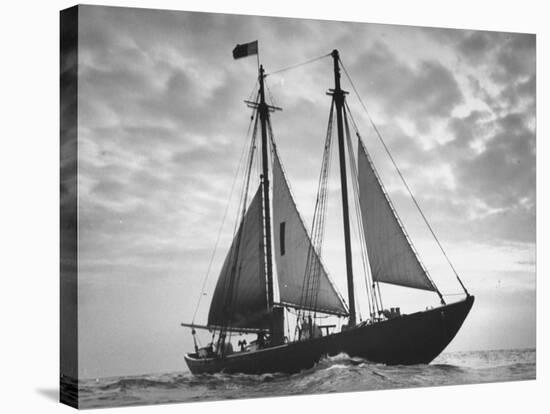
(415, 338)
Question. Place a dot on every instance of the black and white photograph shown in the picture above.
(255, 206)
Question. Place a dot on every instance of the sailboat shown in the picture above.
(271, 232)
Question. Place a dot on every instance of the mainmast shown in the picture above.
(263, 109)
(339, 96)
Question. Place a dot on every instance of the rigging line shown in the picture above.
(379, 294)
(329, 163)
(394, 211)
(359, 222)
(230, 282)
(292, 197)
(403, 178)
(246, 173)
(254, 89)
(358, 231)
(377, 302)
(230, 296)
(356, 227)
(298, 64)
(270, 94)
(320, 223)
(205, 280)
(321, 213)
(311, 271)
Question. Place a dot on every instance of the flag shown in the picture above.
(248, 49)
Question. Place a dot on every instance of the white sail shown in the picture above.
(240, 296)
(292, 246)
(391, 257)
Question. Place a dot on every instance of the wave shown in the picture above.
(338, 373)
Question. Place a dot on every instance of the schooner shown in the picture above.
(271, 232)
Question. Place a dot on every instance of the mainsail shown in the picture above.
(391, 257)
(292, 246)
(240, 296)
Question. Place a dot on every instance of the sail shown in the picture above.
(240, 296)
(292, 245)
(391, 257)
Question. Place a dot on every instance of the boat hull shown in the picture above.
(409, 339)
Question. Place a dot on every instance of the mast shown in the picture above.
(339, 96)
(264, 114)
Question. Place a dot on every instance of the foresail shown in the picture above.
(391, 257)
(292, 246)
(240, 296)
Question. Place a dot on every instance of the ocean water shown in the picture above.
(335, 374)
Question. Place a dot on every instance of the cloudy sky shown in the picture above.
(162, 127)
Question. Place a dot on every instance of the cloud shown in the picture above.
(519, 93)
(491, 163)
(421, 92)
(466, 130)
(503, 174)
(515, 59)
(161, 107)
(475, 45)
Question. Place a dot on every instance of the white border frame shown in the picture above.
(30, 207)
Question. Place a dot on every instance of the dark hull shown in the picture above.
(409, 339)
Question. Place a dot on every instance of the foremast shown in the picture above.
(276, 314)
(263, 110)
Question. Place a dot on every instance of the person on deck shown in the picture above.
(305, 329)
(260, 340)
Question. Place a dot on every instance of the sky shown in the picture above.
(162, 126)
